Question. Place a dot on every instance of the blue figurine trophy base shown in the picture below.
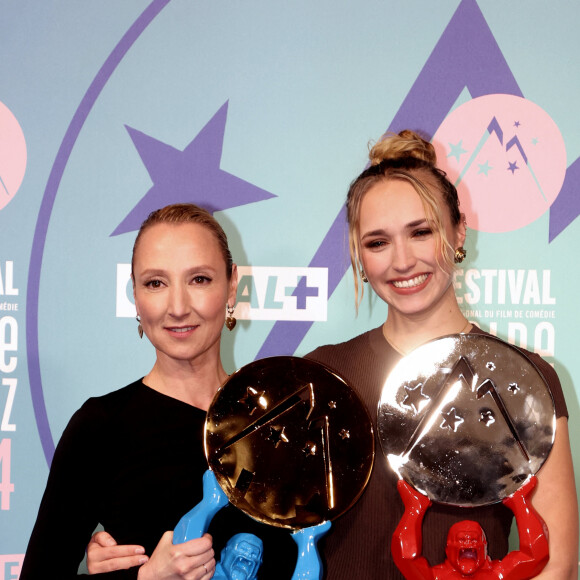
(196, 522)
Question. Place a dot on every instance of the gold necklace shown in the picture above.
(406, 352)
(464, 329)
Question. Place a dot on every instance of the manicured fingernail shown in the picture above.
(139, 550)
(143, 560)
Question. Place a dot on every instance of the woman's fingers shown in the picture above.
(105, 555)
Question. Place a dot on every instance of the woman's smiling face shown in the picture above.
(400, 249)
(181, 289)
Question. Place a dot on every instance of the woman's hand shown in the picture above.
(105, 555)
(192, 560)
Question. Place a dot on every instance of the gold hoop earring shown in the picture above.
(139, 328)
(230, 320)
(363, 277)
(460, 254)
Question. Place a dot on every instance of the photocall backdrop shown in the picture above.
(262, 112)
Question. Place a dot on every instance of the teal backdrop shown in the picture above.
(263, 111)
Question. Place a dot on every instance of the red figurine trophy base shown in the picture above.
(466, 550)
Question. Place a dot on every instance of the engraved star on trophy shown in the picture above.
(467, 420)
(290, 444)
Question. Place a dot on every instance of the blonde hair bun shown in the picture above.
(404, 145)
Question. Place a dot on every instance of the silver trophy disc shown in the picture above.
(290, 443)
(465, 419)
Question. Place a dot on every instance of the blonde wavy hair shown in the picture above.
(405, 156)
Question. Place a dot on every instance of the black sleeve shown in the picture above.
(67, 515)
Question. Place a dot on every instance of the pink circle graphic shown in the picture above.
(12, 155)
(506, 157)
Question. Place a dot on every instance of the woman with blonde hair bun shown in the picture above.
(406, 232)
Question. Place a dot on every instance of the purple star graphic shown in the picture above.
(513, 166)
(517, 124)
(192, 175)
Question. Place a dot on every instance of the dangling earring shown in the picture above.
(230, 320)
(460, 254)
(364, 276)
(139, 328)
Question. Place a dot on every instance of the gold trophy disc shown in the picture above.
(290, 443)
(465, 419)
